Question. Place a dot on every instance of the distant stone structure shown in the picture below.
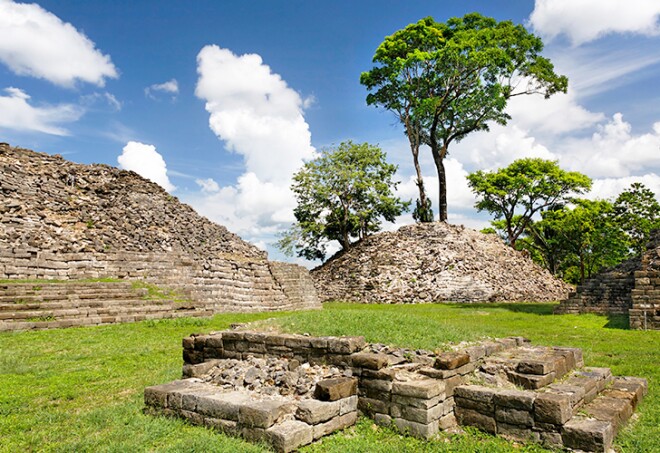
(66, 221)
(435, 262)
(632, 288)
(290, 390)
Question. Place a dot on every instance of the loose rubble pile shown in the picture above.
(434, 262)
(270, 376)
(290, 390)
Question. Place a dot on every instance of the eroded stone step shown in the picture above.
(100, 320)
(139, 306)
(84, 304)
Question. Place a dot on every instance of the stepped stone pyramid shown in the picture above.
(632, 288)
(67, 223)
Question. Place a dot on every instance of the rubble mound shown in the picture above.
(49, 203)
(435, 262)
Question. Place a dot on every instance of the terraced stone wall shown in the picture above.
(223, 283)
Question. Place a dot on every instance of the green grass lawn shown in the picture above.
(81, 389)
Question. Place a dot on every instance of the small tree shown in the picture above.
(342, 195)
(637, 212)
(516, 193)
(446, 80)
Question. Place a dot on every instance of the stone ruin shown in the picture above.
(435, 262)
(291, 390)
(70, 223)
(631, 288)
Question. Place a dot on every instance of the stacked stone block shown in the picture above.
(631, 288)
(284, 423)
(563, 415)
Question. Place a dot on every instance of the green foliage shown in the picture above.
(637, 212)
(446, 80)
(576, 243)
(516, 193)
(423, 211)
(342, 195)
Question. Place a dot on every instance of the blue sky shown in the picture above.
(221, 101)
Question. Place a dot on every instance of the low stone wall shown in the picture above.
(222, 284)
(607, 293)
(285, 423)
(562, 404)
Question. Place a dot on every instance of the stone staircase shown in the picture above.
(561, 404)
(46, 305)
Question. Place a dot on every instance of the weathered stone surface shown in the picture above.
(371, 406)
(552, 408)
(289, 435)
(516, 399)
(451, 360)
(423, 388)
(421, 403)
(263, 414)
(313, 412)
(222, 405)
(588, 435)
(368, 360)
(434, 262)
(517, 432)
(473, 418)
(514, 417)
(540, 367)
(335, 389)
(475, 393)
(335, 424)
(422, 430)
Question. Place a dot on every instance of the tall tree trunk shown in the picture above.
(442, 188)
(413, 138)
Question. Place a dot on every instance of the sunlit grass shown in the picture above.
(81, 389)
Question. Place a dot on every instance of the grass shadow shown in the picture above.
(621, 322)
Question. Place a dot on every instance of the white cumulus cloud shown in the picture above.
(17, 113)
(255, 112)
(258, 116)
(144, 160)
(35, 42)
(170, 87)
(586, 20)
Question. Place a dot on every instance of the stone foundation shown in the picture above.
(416, 392)
(632, 288)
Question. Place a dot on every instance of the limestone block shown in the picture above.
(156, 396)
(481, 406)
(451, 360)
(347, 405)
(423, 388)
(517, 417)
(473, 418)
(335, 389)
(371, 406)
(588, 435)
(386, 374)
(313, 412)
(475, 393)
(516, 399)
(369, 360)
(531, 381)
(517, 432)
(345, 345)
(614, 410)
(335, 424)
(382, 419)
(223, 405)
(536, 366)
(289, 435)
(552, 408)
(263, 414)
(219, 424)
(421, 430)
(376, 384)
(447, 421)
(421, 403)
